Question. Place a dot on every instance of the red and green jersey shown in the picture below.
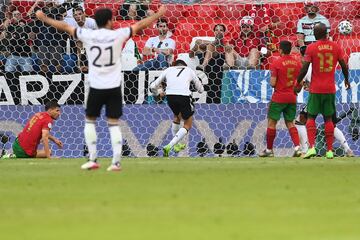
(285, 69)
(30, 136)
(323, 55)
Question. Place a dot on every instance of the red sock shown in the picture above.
(311, 131)
(270, 136)
(294, 136)
(329, 134)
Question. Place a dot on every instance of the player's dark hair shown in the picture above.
(51, 105)
(285, 46)
(78, 8)
(102, 16)
(320, 31)
(180, 63)
(219, 24)
(161, 20)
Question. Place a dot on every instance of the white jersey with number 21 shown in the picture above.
(103, 49)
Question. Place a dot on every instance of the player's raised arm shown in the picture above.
(148, 21)
(59, 25)
(345, 71)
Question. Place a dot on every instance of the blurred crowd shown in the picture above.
(24, 40)
(28, 45)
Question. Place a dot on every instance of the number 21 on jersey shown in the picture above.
(100, 53)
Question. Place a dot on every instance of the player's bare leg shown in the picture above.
(40, 153)
(175, 126)
(270, 137)
(294, 137)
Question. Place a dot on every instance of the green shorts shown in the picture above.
(321, 103)
(18, 150)
(287, 109)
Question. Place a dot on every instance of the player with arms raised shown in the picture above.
(283, 80)
(178, 80)
(103, 49)
(323, 55)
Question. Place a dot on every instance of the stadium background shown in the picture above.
(240, 116)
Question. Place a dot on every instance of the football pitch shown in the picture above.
(181, 198)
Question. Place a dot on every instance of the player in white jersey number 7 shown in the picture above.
(103, 48)
(178, 80)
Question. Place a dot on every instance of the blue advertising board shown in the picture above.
(151, 123)
(253, 86)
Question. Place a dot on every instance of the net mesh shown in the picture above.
(38, 63)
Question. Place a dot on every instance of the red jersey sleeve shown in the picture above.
(47, 124)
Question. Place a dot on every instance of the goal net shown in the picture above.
(38, 64)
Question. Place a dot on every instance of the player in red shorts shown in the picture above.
(37, 129)
(283, 101)
(323, 55)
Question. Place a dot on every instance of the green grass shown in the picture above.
(173, 199)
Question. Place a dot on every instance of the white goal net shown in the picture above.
(38, 64)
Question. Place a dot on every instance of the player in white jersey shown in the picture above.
(103, 48)
(178, 80)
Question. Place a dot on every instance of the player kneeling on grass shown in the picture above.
(178, 79)
(37, 129)
(283, 80)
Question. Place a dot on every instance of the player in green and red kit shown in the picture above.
(323, 55)
(37, 129)
(283, 101)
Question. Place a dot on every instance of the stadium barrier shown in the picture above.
(241, 117)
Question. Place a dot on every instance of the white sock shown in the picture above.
(338, 134)
(304, 145)
(116, 142)
(179, 135)
(175, 128)
(90, 139)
